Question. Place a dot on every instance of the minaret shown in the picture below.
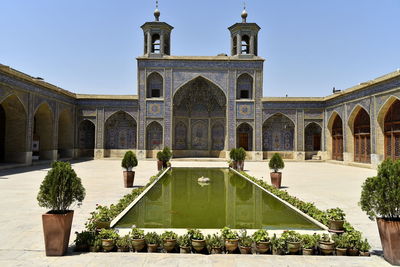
(244, 37)
(157, 36)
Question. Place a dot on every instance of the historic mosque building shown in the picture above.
(200, 107)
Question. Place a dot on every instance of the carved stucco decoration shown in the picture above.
(180, 78)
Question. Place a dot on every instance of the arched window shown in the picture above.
(392, 131)
(244, 136)
(245, 45)
(312, 137)
(244, 87)
(154, 133)
(154, 85)
(337, 139)
(156, 43)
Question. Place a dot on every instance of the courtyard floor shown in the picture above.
(21, 238)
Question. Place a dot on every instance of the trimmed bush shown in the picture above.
(60, 188)
(129, 161)
(276, 163)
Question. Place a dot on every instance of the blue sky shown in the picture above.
(89, 46)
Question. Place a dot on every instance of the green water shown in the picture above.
(179, 201)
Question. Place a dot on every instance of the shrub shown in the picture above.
(241, 154)
(169, 235)
(160, 156)
(364, 246)
(276, 163)
(108, 234)
(354, 239)
(233, 154)
(123, 242)
(261, 235)
(195, 234)
(244, 239)
(335, 214)
(60, 188)
(84, 238)
(136, 233)
(215, 241)
(101, 214)
(340, 240)
(309, 241)
(129, 161)
(167, 154)
(278, 243)
(228, 233)
(291, 236)
(380, 196)
(152, 238)
(184, 240)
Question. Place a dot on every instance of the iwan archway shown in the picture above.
(199, 120)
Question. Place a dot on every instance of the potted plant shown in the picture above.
(354, 240)
(128, 162)
(240, 157)
(341, 244)
(276, 163)
(293, 241)
(233, 157)
(137, 239)
(278, 245)
(184, 242)
(160, 160)
(198, 241)
(231, 239)
(326, 245)
(95, 244)
(169, 240)
(336, 219)
(262, 240)
(123, 243)
(215, 243)
(380, 198)
(309, 242)
(108, 239)
(100, 218)
(152, 241)
(83, 240)
(59, 190)
(245, 242)
(364, 248)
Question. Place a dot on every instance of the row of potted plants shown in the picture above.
(227, 241)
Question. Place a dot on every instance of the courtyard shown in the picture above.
(328, 185)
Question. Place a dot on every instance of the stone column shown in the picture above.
(239, 44)
(168, 108)
(231, 116)
(99, 151)
(258, 153)
(141, 152)
(300, 154)
(252, 45)
(162, 43)
(149, 44)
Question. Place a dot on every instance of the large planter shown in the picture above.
(198, 245)
(129, 176)
(108, 244)
(159, 165)
(138, 244)
(336, 225)
(341, 251)
(263, 247)
(57, 229)
(389, 232)
(239, 165)
(169, 244)
(293, 247)
(231, 245)
(327, 248)
(276, 179)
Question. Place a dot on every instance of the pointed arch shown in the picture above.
(278, 133)
(244, 136)
(187, 83)
(65, 134)
(391, 131)
(312, 137)
(335, 137)
(86, 138)
(154, 136)
(360, 128)
(43, 132)
(155, 85)
(120, 131)
(181, 132)
(13, 127)
(244, 86)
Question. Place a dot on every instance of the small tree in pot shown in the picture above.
(59, 190)
(238, 155)
(128, 162)
(380, 198)
(276, 163)
(163, 158)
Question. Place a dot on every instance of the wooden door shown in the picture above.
(392, 145)
(362, 148)
(317, 142)
(244, 141)
(337, 147)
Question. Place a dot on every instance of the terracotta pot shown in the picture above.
(152, 248)
(138, 244)
(57, 229)
(108, 244)
(169, 244)
(245, 250)
(159, 165)
(336, 225)
(129, 176)
(326, 248)
(184, 250)
(263, 247)
(103, 225)
(216, 250)
(198, 245)
(365, 253)
(276, 179)
(293, 247)
(123, 249)
(165, 164)
(341, 251)
(240, 165)
(353, 252)
(231, 245)
(389, 232)
(308, 251)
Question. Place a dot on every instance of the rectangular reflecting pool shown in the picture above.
(178, 200)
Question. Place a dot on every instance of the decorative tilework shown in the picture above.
(245, 110)
(154, 109)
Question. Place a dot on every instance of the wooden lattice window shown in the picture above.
(362, 137)
(337, 139)
(392, 131)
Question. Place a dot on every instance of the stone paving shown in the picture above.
(21, 237)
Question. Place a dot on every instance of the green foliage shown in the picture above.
(244, 239)
(215, 241)
(184, 240)
(84, 238)
(354, 239)
(60, 188)
(101, 214)
(276, 163)
(335, 214)
(152, 238)
(169, 235)
(129, 161)
(108, 234)
(233, 154)
(380, 196)
(96, 243)
(278, 243)
(195, 234)
(341, 241)
(136, 233)
(325, 238)
(160, 156)
(261, 235)
(364, 246)
(228, 233)
(241, 154)
(309, 241)
(291, 236)
(165, 155)
(124, 242)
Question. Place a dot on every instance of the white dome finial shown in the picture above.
(157, 12)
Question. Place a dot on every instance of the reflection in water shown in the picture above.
(179, 201)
